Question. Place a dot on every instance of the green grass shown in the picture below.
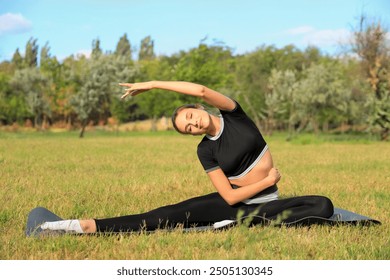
(106, 175)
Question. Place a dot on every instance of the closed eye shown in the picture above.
(188, 126)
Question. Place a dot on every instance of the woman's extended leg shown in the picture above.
(209, 209)
(198, 211)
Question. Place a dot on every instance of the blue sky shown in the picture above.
(70, 25)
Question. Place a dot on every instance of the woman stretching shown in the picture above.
(237, 160)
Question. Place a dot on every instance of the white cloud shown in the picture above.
(327, 37)
(388, 36)
(77, 55)
(300, 30)
(14, 23)
(308, 35)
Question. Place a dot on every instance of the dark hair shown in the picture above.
(177, 111)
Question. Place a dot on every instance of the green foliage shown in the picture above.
(371, 44)
(207, 65)
(254, 69)
(4, 89)
(98, 88)
(146, 51)
(34, 87)
(48, 64)
(122, 69)
(379, 112)
(156, 103)
(13, 107)
(17, 59)
(123, 48)
(322, 96)
(280, 88)
(94, 93)
(96, 50)
(280, 100)
(18, 110)
(31, 55)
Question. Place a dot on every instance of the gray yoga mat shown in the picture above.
(39, 215)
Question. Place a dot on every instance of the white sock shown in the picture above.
(70, 226)
(223, 223)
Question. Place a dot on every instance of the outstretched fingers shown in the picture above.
(129, 92)
(135, 88)
(125, 84)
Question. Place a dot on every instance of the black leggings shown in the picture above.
(211, 208)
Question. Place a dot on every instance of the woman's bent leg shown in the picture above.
(296, 208)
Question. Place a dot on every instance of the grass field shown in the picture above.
(107, 175)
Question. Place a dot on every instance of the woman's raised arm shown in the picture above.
(208, 95)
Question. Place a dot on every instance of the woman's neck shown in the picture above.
(215, 125)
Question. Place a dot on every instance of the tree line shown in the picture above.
(280, 88)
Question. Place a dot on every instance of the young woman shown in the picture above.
(235, 157)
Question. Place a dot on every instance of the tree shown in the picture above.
(4, 90)
(146, 51)
(45, 56)
(97, 99)
(122, 70)
(254, 69)
(379, 109)
(48, 63)
(322, 96)
(68, 82)
(92, 98)
(34, 86)
(96, 50)
(370, 44)
(31, 56)
(51, 68)
(209, 65)
(156, 103)
(123, 48)
(281, 100)
(252, 73)
(17, 59)
(13, 106)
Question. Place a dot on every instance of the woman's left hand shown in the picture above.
(136, 88)
(274, 175)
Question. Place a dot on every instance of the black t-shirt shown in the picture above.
(237, 147)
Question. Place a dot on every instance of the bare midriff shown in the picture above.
(258, 172)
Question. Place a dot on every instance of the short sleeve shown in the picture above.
(206, 157)
(237, 112)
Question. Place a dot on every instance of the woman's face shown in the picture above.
(193, 121)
